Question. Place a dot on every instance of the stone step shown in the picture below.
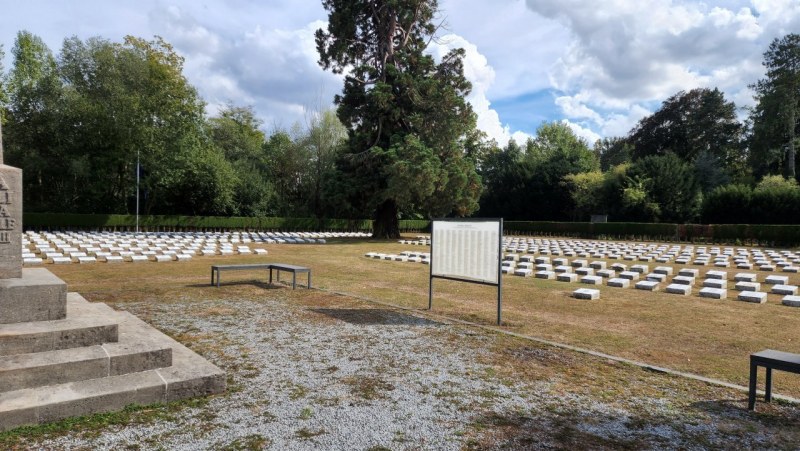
(190, 375)
(135, 351)
(86, 324)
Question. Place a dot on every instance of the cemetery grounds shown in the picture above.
(358, 363)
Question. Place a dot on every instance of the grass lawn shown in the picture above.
(709, 337)
(311, 369)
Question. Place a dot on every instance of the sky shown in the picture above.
(598, 66)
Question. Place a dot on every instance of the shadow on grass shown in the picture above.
(778, 413)
(255, 283)
(550, 430)
(373, 316)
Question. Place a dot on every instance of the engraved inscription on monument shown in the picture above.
(6, 221)
(10, 222)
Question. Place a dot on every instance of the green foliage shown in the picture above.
(775, 117)
(775, 200)
(612, 152)
(729, 204)
(528, 184)
(689, 123)
(324, 136)
(405, 113)
(776, 184)
(586, 190)
(664, 187)
(236, 135)
(286, 165)
(76, 126)
(177, 222)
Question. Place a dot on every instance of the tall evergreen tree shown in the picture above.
(776, 117)
(405, 113)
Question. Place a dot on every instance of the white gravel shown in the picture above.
(362, 378)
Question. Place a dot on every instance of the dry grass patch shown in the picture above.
(368, 387)
(709, 337)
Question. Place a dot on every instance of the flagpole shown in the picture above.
(137, 190)
(1, 136)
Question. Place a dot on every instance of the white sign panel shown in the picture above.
(468, 250)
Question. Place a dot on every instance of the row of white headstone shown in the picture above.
(715, 284)
(405, 256)
(721, 257)
(110, 247)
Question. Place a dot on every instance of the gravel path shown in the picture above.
(341, 374)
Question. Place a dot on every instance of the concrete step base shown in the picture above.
(136, 351)
(86, 324)
(32, 406)
(130, 372)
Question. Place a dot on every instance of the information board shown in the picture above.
(468, 250)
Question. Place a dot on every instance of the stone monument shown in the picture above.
(62, 356)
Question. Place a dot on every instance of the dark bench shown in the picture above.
(770, 360)
(293, 269)
(217, 269)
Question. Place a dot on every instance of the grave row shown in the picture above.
(715, 284)
(405, 256)
(767, 260)
(117, 247)
(421, 240)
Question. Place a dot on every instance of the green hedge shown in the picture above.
(786, 235)
(764, 234)
(175, 222)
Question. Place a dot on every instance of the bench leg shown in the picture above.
(309, 280)
(768, 388)
(270, 277)
(751, 397)
(212, 277)
(294, 280)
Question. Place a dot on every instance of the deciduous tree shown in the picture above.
(689, 123)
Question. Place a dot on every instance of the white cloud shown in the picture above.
(628, 56)
(600, 65)
(582, 132)
(482, 76)
(273, 69)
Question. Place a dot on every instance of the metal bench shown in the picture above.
(293, 269)
(769, 359)
(217, 269)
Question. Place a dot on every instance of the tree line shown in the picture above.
(402, 142)
(690, 161)
(80, 123)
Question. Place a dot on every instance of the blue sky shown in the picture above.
(598, 66)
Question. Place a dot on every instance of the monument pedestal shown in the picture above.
(93, 359)
(36, 296)
(62, 356)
